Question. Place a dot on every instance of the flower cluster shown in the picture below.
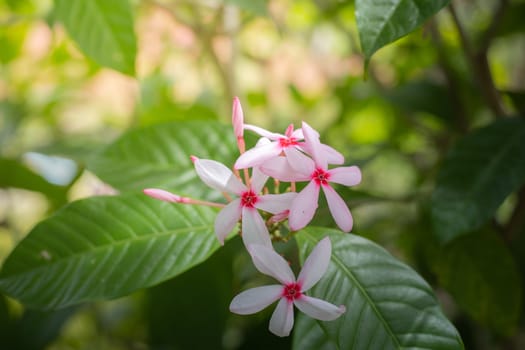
(295, 156)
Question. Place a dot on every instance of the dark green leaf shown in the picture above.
(389, 306)
(106, 247)
(477, 175)
(159, 156)
(480, 273)
(518, 99)
(177, 307)
(102, 29)
(382, 22)
(422, 96)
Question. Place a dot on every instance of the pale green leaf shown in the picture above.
(102, 29)
(388, 305)
(159, 156)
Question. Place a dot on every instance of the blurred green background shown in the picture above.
(288, 61)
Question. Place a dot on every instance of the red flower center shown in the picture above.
(248, 199)
(320, 176)
(287, 142)
(292, 291)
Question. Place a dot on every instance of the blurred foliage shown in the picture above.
(453, 84)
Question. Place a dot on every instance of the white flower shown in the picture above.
(254, 230)
(291, 291)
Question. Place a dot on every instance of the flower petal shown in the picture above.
(280, 169)
(267, 261)
(275, 203)
(258, 180)
(254, 229)
(315, 265)
(319, 309)
(257, 155)
(255, 299)
(313, 145)
(348, 175)
(263, 132)
(298, 134)
(338, 209)
(227, 219)
(304, 206)
(299, 162)
(281, 323)
(332, 155)
(218, 176)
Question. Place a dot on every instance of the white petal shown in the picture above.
(263, 132)
(348, 175)
(338, 209)
(313, 145)
(299, 162)
(254, 229)
(257, 155)
(304, 206)
(255, 299)
(275, 203)
(315, 265)
(218, 176)
(281, 323)
(258, 180)
(332, 156)
(267, 261)
(298, 134)
(280, 169)
(319, 309)
(227, 219)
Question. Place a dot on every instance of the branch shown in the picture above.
(479, 62)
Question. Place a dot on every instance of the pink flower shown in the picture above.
(305, 204)
(254, 230)
(291, 291)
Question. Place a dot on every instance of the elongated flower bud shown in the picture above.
(237, 118)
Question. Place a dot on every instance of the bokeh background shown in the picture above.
(287, 61)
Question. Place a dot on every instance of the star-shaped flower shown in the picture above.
(254, 230)
(291, 291)
(316, 171)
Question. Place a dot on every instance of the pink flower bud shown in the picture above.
(237, 118)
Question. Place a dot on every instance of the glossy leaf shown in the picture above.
(476, 176)
(102, 29)
(389, 306)
(159, 156)
(382, 22)
(106, 247)
(492, 293)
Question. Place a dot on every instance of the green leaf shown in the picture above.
(257, 7)
(106, 247)
(159, 156)
(477, 175)
(389, 306)
(480, 273)
(382, 22)
(174, 307)
(102, 29)
(17, 175)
